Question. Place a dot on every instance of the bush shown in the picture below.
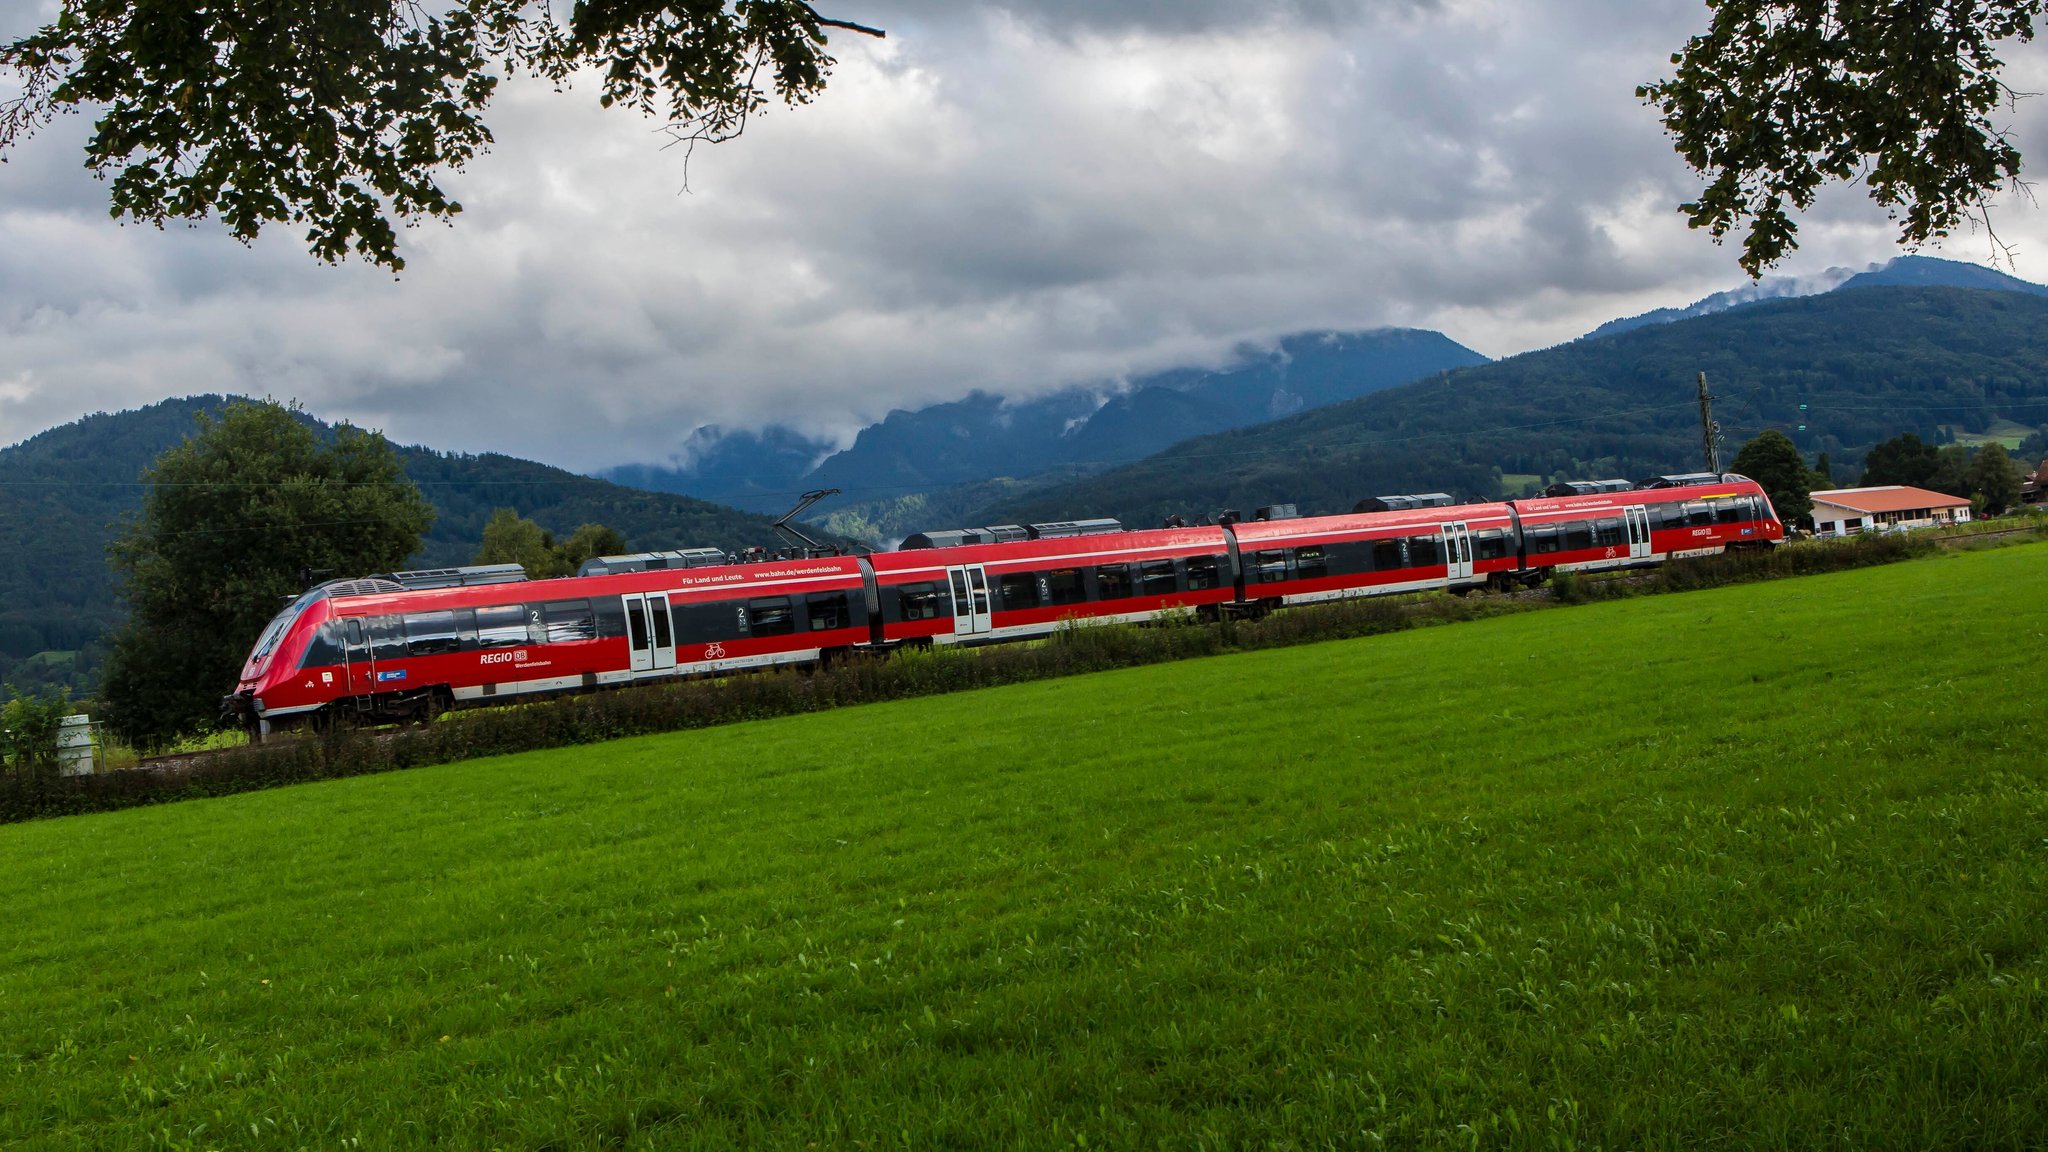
(28, 733)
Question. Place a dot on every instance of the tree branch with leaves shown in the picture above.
(344, 115)
(1780, 98)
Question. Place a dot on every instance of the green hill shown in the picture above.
(62, 492)
(1837, 373)
(1728, 868)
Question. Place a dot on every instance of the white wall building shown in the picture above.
(1889, 508)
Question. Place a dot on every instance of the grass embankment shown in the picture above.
(1763, 865)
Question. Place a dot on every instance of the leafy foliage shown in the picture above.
(28, 732)
(232, 519)
(1903, 459)
(1781, 97)
(342, 115)
(1773, 461)
(1993, 477)
(510, 538)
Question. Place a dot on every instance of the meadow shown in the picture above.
(1757, 866)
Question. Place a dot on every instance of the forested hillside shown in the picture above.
(63, 492)
(1837, 373)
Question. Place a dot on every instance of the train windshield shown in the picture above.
(275, 630)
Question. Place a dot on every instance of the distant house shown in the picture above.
(1889, 508)
(2030, 492)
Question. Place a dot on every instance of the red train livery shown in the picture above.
(408, 645)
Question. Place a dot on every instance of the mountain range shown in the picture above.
(1836, 372)
(1898, 272)
(1069, 432)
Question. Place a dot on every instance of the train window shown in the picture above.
(771, 617)
(569, 620)
(1204, 572)
(610, 613)
(1156, 578)
(431, 633)
(505, 627)
(829, 611)
(706, 623)
(1266, 567)
(1311, 562)
(352, 631)
(636, 623)
(922, 602)
(1113, 582)
(1731, 512)
(1541, 540)
(1577, 535)
(1698, 514)
(387, 638)
(1388, 556)
(324, 649)
(1490, 544)
(662, 619)
(1063, 586)
(1016, 590)
(1608, 532)
(1347, 558)
(1425, 551)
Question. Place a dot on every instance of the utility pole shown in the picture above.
(1710, 432)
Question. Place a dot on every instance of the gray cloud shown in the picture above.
(1014, 198)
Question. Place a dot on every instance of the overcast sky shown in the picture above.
(1014, 198)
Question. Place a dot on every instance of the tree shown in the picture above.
(590, 540)
(230, 519)
(29, 726)
(1903, 459)
(1772, 460)
(1823, 473)
(1781, 97)
(342, 116)
(1951, 471)
(2034, 448)
(510, 538)
(1993, 476)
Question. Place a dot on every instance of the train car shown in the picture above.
(985, 585)
(1424, 543)
(1642, 525)
(394, 648)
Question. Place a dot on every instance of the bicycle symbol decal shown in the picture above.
(714, 651)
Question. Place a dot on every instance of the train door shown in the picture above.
(970, 600)
(1457, 552)
(651, 632)
(1638, 531)
(358, 657)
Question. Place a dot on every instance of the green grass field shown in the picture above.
(1765, 866)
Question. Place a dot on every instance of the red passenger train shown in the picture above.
(409, 645)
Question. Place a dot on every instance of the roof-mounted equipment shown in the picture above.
(1681, 480)
(805, 546)
(1407, 503)
(1588, 487)
(1277, 512)
(1060, 529)
(456, 577)
(654, 561)
(960, 537)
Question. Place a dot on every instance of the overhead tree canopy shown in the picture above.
(1782, 97)
(343, 115)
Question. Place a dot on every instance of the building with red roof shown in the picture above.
(1887, 508)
